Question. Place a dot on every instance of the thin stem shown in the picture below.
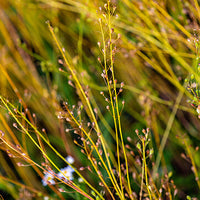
(112, 106)
(117, 106)
(166, 133)
(145, 167)
(112, 177)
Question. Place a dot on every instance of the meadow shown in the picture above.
(99, 100)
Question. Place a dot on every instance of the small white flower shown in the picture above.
(80, 180)
(198, 109)
(193, 85)
(70, 159)
(48, 179)
(66, 173)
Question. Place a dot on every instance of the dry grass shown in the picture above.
(78, 78)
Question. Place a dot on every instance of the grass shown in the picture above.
(99, 100)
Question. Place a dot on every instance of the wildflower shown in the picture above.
(48, 179)
(66, 173)
(80, 180)
(198, 109)
(69, 159)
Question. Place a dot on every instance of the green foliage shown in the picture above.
(78, 78)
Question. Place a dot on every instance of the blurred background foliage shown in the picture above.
(155, 52)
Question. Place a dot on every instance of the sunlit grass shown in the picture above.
(78, 78)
